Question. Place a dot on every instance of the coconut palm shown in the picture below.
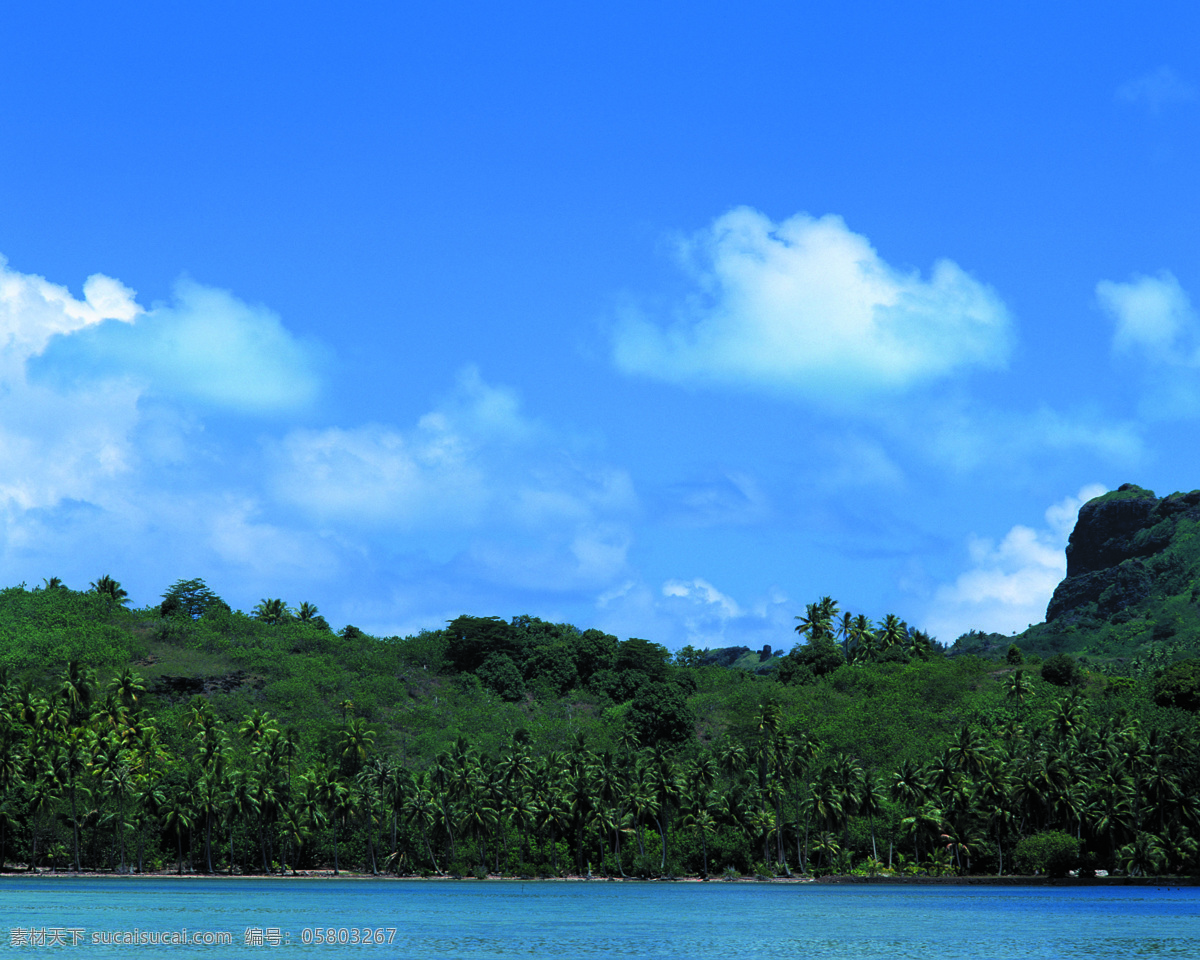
(271, 611)
(178, 817)
(106, 586)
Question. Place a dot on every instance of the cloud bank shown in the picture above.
(808, 307)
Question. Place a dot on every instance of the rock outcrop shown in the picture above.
(1120, 552)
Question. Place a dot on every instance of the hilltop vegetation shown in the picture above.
(190, 732)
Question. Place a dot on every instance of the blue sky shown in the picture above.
(662, 318)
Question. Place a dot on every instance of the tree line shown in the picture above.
(90, 779)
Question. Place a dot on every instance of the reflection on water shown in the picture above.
(392, 919)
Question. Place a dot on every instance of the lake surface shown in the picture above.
(389, 919)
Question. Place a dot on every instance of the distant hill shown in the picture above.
(1132, 586)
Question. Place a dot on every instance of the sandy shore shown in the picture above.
(992, 881)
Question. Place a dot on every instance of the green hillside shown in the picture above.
(205, 738)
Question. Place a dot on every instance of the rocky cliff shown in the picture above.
(1128, 547)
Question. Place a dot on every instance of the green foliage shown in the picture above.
(109, 588)
(1014, 657)
(821, 655)
(660, 714)
(643, 657)
(535, 722)
(471, 640)
(1179, 686)
(272, 611)
(190, 598)
(1061, 670)
(1127, 491)
(500, 674)
(1051, 852)
(40, 628)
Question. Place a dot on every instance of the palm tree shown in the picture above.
(307, 612)
(357, 740)
(698, 816)
(818, 619)
(1144, 856)
(128, 686)
(78, 683)
(892, 632)
(43, 798)
(1015, 687)
(119, 782)
(271, 611)
(106, 586)
(212, 799)
(74, 756)
(845, 630)
(421, 809)
(967, 752)
(870, 802)
(927, 821)
(241, 804)
(335, 797)
(178, 817)
(863, 638)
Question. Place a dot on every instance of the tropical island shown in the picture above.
(191, 737)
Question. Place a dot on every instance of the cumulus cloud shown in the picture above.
(809, 307)
(206, 347)
(1010, 582)
(1156, 89)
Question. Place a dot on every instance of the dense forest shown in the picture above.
(194, 737)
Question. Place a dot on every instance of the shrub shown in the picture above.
(500, 674)
(1014, 656)
(821, 654)
(1051, 852)
(1179, 686)
(1061, 670)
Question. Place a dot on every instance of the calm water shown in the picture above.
(513, 919)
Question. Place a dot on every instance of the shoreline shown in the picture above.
(952, 881)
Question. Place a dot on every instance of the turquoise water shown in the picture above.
(553, 920)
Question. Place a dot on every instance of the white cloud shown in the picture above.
(206, 347)
(33, 310)
(1156, 89)
(969, 438)
(106, 465)
(1156, 324)
(695, 612)
(808, 307)
(477, 466)
(1009, 583)
(704, 594)
(1154, 316)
